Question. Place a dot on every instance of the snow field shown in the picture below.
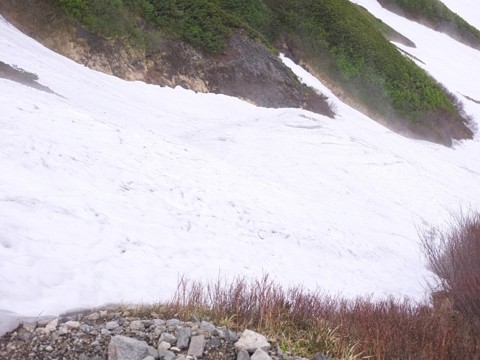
(112, 190)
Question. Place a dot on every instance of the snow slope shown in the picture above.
(110, 190)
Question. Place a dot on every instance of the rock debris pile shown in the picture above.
(117, 335)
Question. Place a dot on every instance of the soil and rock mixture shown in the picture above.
(116, 334)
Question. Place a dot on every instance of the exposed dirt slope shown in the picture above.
(245, 69)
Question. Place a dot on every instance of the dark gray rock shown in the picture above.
(125, 348)
(197, 346)
(214, 343)
(166, 354)
(85, 328)
(205, 325)
(183, 337)
(231, 336)
(159, 322)
(137, 325)
(243, 355)
(171, 339)
(220, 332)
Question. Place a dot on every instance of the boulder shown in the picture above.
(125, 348)
(251, 341)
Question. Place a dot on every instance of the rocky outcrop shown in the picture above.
(245, 68)
(116, 334)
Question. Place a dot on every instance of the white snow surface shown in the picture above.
(110, 190)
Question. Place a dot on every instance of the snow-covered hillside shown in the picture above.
(109, 190)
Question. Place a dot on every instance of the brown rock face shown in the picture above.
(245, 69)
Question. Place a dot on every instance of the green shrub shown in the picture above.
(435, 14)
(339, 40)
(108, 18)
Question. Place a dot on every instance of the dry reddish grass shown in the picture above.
(454, 256)
(309, 322)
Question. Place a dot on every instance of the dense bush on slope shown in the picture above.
(389, 32)
(435, 14)
(335, 37)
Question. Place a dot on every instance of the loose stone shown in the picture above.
(166, 354)
(72, 325)
(183, 337)
(164, 345)
(51, 326)
(251, 341)
(125, 348)
(94, 317)
(137, 325)
(260, 354)
(172, 322)
(205, 325)
(30, 327)
(243, 355)
(111, 325)
(197, 346)
(123, 336)
(171, 339)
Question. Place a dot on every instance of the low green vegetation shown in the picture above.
(108, 18)
(435, 14)
(203, 23)
(339, 40)
(389, 32)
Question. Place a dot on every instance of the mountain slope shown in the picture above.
(435, 14)
(228, 46)
(111, 189)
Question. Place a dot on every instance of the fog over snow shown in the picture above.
(110, 190)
